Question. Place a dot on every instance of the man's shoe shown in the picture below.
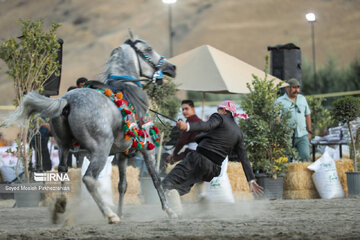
(174, 201)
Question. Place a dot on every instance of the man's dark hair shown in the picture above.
(189, 102)
(81, 80)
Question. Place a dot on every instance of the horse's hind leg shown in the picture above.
(96, 165)
(122, 186)
(63, 137)
(157, 182)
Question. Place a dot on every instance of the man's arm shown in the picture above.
(214, 121)
(240, 150)
(308, 125)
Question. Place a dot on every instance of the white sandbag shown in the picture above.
(325, 178)
(104, 180)
(334, 153)
(219, 188)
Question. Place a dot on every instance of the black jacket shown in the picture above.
(222, 135)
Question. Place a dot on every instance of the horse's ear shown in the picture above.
(131, 35)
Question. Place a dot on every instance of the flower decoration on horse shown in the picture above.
(138, 135)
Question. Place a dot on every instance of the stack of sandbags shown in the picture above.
(239, 184)
(75, 187)
(298, 183)
(133, 185)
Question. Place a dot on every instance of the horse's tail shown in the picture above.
(35, 103)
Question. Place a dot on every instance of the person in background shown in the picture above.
(40, 144)
(186, 138)
(295, 103)
(80, 82)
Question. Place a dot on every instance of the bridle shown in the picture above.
(157, 75)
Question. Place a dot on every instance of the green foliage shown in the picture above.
(163, 100)
(266, 138)
(330, 78)
(346, 109)
(31, 60)
(320, 116)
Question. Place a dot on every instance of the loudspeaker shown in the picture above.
(285, 61)
(52, 84)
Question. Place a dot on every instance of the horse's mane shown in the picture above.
(112, 60)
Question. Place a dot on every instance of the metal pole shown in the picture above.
(170, 32)
(313, 53)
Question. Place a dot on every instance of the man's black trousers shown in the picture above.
(193, 169)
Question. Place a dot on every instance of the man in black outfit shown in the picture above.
(222, 135)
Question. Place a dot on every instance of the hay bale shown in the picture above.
(300, 194)
(342, 166)
(133, 185)
(298, 177)
(237, 177)
(298, 183)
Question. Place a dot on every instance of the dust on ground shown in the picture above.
(257, 219)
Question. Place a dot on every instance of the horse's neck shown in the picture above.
(121, 70)
(124, 63)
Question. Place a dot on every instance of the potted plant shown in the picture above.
(267, 140)
(31, 60)
(345, 110)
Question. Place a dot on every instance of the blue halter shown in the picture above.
(126, 78)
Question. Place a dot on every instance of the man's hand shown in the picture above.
(170, 159)
(256, 189)
(181, 125)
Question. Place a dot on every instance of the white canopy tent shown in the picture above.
(207, 69)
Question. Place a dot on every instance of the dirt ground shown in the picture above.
(257, 219)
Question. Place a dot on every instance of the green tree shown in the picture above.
(345, 110)
(266, 139)
(31, 60)
(163, 100)
(320, 116)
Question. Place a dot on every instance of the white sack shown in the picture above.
(325, 177)
(219, 188)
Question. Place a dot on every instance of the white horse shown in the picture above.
(89, 118)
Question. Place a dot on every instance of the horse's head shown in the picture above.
(151, 64)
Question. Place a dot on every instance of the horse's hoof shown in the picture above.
(114, 219)
(173, 215)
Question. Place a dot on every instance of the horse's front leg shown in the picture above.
(148, 154)
(121, 160)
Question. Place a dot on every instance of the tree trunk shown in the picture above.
(353, 146)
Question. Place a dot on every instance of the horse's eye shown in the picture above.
(149, 49)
